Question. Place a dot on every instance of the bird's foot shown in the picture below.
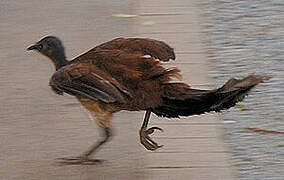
(80, 160)
(145, 139)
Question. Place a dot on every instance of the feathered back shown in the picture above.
(122, 60)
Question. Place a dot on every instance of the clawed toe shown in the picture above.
(147, 141)
(152, 129)
(78, 160)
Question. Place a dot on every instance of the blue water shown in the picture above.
(245, 37)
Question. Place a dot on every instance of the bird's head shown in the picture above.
(49, 46)
(53, 48)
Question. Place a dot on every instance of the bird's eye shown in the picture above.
(40, 46)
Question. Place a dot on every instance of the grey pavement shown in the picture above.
(194, 147)
(37, 126)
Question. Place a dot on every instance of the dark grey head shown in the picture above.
(53, 48)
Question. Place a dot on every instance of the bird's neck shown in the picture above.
(59, 60)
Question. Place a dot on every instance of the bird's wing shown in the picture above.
(84, 80)
(157, 49)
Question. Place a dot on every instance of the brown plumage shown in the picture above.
(118, 76)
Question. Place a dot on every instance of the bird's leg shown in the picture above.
(104, 123)
(145, 139)
(96, 146)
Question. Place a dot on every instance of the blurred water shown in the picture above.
(244, 37)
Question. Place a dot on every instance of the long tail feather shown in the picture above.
(180, 100)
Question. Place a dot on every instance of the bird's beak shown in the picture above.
(34, 47)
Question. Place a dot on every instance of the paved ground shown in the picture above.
(37, 126)
(194, 147)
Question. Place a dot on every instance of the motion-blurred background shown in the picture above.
(239, 37)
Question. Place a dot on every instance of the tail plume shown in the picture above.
(180, 100)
